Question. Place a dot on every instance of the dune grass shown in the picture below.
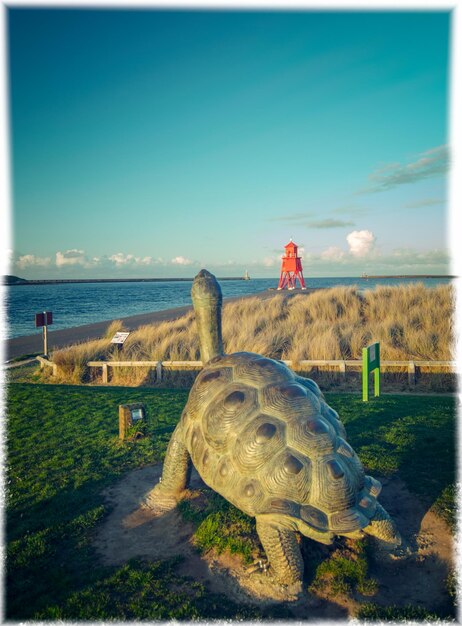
(411, 322)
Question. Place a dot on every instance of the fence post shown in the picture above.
(411, 373)
(124, 420)
(159, 372)
(104, 368)
(342, 368)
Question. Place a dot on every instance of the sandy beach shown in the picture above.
(30, 344)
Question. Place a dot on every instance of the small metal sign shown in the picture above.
(137, 414)
(43, 319)
(120, 337)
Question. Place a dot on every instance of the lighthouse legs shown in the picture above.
(283, 280)
(289, 280)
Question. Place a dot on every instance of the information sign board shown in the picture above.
(120, 337)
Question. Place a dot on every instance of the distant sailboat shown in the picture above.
(246, 275)
(364, 275)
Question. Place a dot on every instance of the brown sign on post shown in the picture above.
(43, 320)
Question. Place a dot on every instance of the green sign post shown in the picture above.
(371, 363)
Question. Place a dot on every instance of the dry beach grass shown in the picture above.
(411, 322)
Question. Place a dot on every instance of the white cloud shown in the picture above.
(333, 253)
(410, 257)
(30, 260)
(270, 261)
(181, 260)
(399, 261)
(361, 242)
(122, 260)
(77, 258)
(71, 257)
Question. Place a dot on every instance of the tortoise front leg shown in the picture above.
(282, 550)
(383, 528)
(175, 475)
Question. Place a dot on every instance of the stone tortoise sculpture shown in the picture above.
(266, 440)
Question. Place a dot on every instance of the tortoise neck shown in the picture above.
(207, 300)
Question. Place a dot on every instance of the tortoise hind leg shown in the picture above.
(175, 475)
(282, 550)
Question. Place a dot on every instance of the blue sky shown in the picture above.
(153, 143)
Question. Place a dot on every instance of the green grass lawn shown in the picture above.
(63, 449)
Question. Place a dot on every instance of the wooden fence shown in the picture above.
(340, 366)
(46, 363)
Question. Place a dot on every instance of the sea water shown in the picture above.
(75, 304)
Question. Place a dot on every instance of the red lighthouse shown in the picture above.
(291, 268)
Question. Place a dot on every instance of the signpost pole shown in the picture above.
(43, 320)
(377, 371)
(118, 341)
(45, 341)
(365, 375)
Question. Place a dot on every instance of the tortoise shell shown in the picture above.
(266, 440)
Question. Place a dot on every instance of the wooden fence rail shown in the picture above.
(331, 365)
(158, 365)
(46, 363)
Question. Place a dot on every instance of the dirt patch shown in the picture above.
(133, 531)
(420, 579)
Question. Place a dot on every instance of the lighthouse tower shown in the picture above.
(291, 268)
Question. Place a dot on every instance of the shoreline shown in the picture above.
(375, 277)
(63, 281)
(31, 344)
(20, 282)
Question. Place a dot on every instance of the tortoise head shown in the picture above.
(207, 300)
